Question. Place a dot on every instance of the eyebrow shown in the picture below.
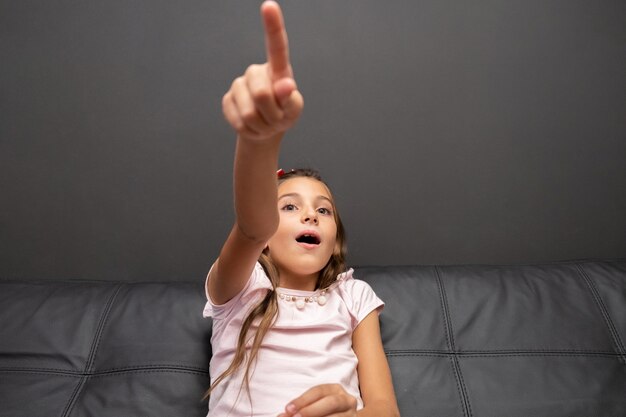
(319, 197)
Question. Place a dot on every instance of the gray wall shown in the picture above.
(450, 131)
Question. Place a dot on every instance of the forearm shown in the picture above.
(379, 409)
(255, 186)
(260, 106)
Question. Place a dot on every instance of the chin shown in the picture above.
(303, 266)
(308, 269)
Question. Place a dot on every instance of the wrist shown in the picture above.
(272, 141)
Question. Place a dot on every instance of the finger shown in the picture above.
(231, 114)
(246, 107)
(310, 396)
(329, 405)
(292, 106)
(276, 43)
(283, 89)
(262, 93)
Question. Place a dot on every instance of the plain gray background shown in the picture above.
(450, 131)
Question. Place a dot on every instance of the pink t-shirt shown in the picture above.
(306, 346)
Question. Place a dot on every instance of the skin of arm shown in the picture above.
(256, 218)
(331, 400)
(375, 382)
(261, 106)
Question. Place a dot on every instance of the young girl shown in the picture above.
(294, 334)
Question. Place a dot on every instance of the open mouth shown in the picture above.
(308, 238)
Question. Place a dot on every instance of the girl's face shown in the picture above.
(307, 233)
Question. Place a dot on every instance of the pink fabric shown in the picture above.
(305, 347)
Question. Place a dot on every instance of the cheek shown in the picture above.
(283, 232)
(285, 225)
(332, 231)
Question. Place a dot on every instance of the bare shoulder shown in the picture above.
(234, 266)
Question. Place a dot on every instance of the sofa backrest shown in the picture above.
(476, 340)
(506, 341)
(78, 348)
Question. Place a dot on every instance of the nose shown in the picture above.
(310, 216)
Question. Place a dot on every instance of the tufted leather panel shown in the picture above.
(477, 340)
(103, 349)
(506, 341)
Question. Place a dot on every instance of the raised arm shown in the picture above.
(261, 106)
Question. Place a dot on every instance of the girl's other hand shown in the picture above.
(327, 400)
(265, 101)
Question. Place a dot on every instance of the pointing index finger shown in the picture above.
(276, 44)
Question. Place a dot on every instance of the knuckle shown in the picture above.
(248, 116)
(352, 402)
(275, 115)
(237, 83)
(336, 402)
(261, 94)
(274, 120)
(238, 124)
(252, 69)
(226, 100)
(294, 107)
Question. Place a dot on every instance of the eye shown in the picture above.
(289, 207)
(324, 210)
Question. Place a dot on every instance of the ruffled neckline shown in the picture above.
(341, 278)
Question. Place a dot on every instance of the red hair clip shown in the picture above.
(282, 172)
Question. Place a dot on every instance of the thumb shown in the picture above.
(283, 89)
(292, 105)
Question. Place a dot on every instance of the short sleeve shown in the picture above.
(359, 297)
(257, 286)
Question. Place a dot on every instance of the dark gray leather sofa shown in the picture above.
(485, 341)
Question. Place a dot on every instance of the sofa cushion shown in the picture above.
(80, 348)
(467, 340)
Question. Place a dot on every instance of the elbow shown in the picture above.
(382, 407)
(259, 233)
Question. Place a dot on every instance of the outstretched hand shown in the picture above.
(265, 101)
(326, 400)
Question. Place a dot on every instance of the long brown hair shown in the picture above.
(267, 308)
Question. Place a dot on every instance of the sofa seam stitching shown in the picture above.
(94, 347)
(166, 368)
(69, 405)
(503, 355)
(458, 365)
(100, 330)
(123, 368)
(617, 341)
(98, 375)
(458, 384)
(446, 317)
(449, 334)
(507, 351)
(500, 265)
